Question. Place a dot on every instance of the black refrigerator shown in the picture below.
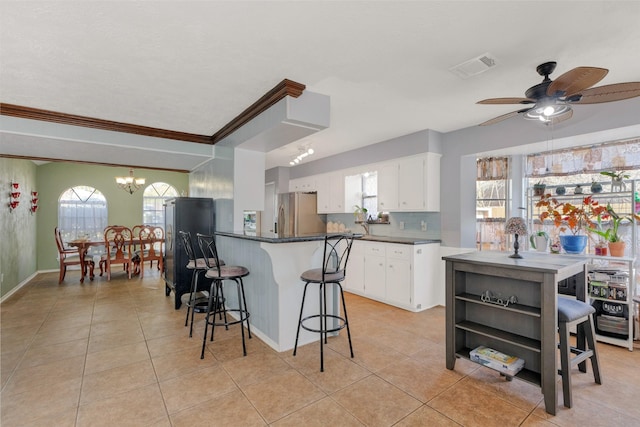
(192, 214)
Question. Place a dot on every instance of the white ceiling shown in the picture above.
(194, 66)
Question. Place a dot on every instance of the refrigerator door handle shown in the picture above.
(280, 223)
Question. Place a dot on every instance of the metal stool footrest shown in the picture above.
(243, 316)
(201, 304)
(324, 331)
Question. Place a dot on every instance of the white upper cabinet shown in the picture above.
(432, 182)
(331, 195)
(306, 184)
(410, 184)
(388, 186)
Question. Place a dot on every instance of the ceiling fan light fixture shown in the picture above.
(546, 112)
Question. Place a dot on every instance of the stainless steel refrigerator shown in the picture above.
(298, 215)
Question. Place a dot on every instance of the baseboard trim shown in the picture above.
(18, 287)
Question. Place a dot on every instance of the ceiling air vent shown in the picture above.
(474, 66)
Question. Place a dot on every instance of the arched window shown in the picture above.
(153, 201)
(82, 212)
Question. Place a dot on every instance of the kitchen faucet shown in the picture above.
(366, 228)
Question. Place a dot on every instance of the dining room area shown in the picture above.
(80, 201)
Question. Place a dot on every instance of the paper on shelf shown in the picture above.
(509, 365)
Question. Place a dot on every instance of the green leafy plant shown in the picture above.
(618, 176)
(360, 213)
(611, 234)
(532, 239)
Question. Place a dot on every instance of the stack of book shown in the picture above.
(508, 365)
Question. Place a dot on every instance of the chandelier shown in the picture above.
(130, 183)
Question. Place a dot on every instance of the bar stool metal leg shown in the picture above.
(304, 295)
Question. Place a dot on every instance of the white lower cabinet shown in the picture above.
(398, 274)
(374, 270)
(402, 275)
(354, 279)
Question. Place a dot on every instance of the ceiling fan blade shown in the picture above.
(576, 80)
(493, 101)
(609, 93)
(500, 118)
(561, 117)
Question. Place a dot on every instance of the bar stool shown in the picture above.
(333, 271)
(218, 273)
(197, 266)
(571, 313)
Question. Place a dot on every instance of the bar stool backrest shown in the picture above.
(336, 254)
(185, 237)
(207, 245)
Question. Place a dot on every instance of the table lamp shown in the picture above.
(516, 225)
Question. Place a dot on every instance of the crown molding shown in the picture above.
(285, 88)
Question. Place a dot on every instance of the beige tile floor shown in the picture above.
(117, 354)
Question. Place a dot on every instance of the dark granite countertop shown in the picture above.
(276, 238)
(401, 240)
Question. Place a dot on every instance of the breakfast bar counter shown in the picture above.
(273, 287)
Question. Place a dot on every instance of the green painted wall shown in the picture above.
(124, 208)
(18, 228)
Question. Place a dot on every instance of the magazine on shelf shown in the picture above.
(504, 363)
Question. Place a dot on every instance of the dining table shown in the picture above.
(83, 245)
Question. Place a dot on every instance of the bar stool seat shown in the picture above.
(218, 273)
(332, 272)
(576, 313)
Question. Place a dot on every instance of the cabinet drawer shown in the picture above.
(399, 251)
(374, 249)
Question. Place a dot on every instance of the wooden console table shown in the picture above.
(526, 329)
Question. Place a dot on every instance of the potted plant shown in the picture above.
(360, 214)
(611, 235)
(574, 218)
(539, 241)
(538, 188)
(617, 178)
(596, 187)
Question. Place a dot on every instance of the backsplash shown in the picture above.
(412, 224)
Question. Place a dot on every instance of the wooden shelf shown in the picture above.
(516, 308)
(507, 337)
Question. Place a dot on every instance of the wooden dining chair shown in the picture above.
(151, 247)
(118, 242)
(69, 256)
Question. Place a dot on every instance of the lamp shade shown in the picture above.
(516, 225)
